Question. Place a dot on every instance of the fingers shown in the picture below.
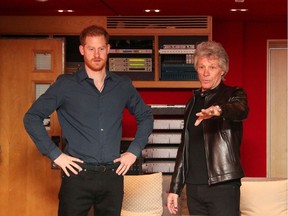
(198, 121)
(122, 169)
(65, 171)
(201, 115)
(172, 208)
(68, 163)
(207, 113)
(214, 111)
(126, 160)
(74, 168)
(172, 203)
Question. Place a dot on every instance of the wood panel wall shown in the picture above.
(47, 25)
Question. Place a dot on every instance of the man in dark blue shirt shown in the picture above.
(89, 105)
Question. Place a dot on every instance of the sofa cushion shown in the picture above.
(142, 195)
(264, 196)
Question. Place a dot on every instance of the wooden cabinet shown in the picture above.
(163, 30)
(159, 28)
(141, 59)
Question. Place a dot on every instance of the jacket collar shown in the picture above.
(201, 93)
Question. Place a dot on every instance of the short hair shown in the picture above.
(212, 49)
(93, 30)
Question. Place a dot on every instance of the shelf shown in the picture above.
(138, 52)
(166, 84)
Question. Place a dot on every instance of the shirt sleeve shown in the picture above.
(42, 108)
(236, 108)
(144, 119)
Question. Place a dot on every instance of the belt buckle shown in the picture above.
(104, 168)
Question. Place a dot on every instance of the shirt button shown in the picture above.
(102, 129)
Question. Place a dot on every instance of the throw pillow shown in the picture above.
(142, 195)
(264, 197)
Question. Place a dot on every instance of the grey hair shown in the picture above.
(212, 49)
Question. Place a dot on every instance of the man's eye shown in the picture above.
(101, 49)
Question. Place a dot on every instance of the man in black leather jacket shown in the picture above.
(208, 158)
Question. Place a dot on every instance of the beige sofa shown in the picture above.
(145, 195)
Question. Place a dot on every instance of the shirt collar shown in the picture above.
(82, 74)
(201, 93)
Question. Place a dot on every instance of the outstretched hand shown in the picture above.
(67, 162)
(207, 114)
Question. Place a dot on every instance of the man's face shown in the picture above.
(209, 72)
(95, 52)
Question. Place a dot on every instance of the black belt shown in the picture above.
(99, 167)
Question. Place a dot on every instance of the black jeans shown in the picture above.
(216, 200)
(102, 190)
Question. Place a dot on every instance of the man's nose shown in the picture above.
(206, 72)
(96, 52)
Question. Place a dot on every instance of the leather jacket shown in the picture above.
(222, 137)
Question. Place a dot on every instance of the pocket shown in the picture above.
(227, 141)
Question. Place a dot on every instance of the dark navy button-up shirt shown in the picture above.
(91, 121)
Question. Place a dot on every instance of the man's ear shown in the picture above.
(81, 49)
(108, 48)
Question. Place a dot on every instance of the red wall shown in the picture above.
(246, 45)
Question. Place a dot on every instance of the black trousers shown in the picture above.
(216, 200)
(102, 190)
